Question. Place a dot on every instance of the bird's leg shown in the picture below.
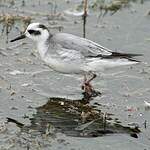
(87, 87)
(84, 81)
(93, 77)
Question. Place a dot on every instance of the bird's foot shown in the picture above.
(87, 96)
(89, 91)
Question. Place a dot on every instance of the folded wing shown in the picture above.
(88, 48)
(85, 46)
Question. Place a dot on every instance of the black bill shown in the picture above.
(19, 38)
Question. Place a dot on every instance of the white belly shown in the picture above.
(62, 66)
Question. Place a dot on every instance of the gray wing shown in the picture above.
(70, 55)
(84, 46)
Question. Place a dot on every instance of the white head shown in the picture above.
(35, 31)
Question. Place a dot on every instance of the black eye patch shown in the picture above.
(34, 32)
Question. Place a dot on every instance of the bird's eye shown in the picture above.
(34, 32)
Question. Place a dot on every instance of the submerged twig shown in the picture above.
(84, 18)
(104, 121)
(145, 124)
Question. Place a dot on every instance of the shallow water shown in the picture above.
(26, 83)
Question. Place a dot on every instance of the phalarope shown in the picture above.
(70, 54)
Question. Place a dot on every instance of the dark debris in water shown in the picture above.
(73, 118)
(19, 124)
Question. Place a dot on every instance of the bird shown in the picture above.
(70, 54)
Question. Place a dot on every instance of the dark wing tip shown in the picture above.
(128, 55)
